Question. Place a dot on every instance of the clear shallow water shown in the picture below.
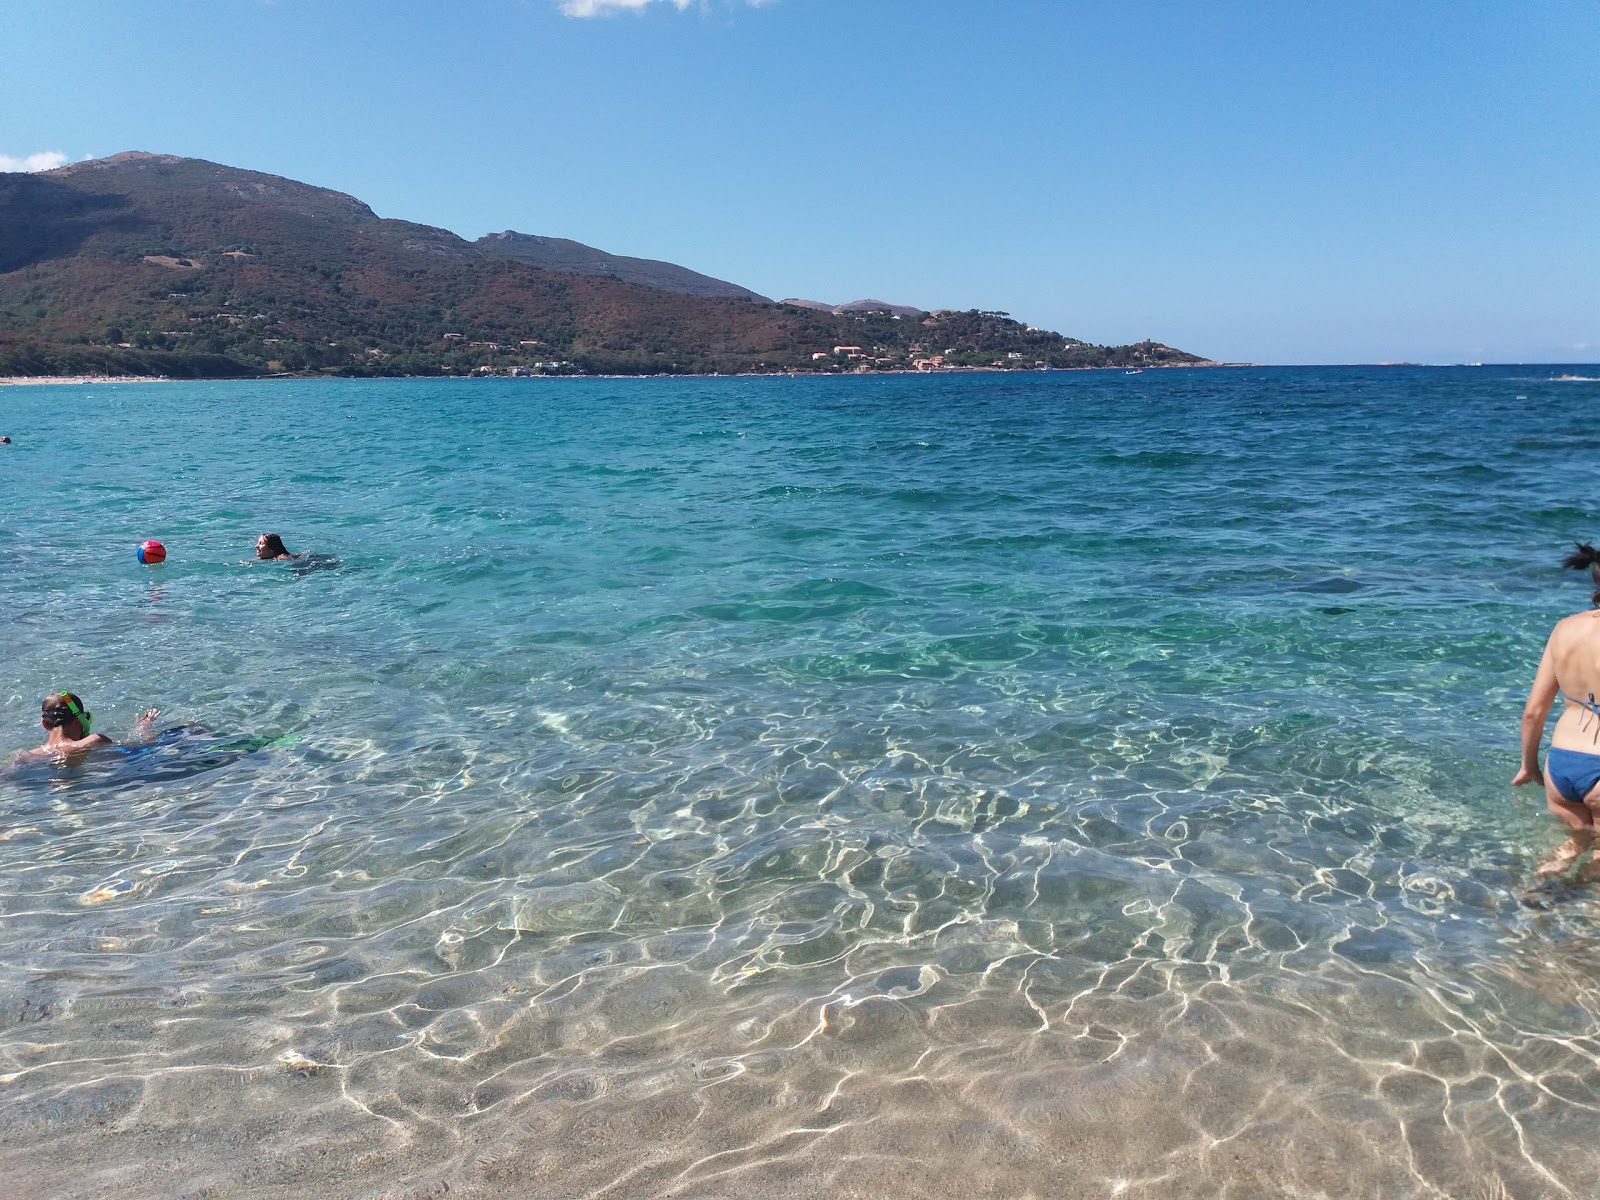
(1072, 784)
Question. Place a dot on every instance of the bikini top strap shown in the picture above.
(1590, 703)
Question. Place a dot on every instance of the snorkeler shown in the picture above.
(270, 546)
(68, 739)
(1571, 777)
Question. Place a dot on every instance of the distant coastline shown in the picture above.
(29, 380)
(33, 380)
(155, 265)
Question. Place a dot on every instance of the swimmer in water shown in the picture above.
(1570, 668)
(270, 546)
(67, 737)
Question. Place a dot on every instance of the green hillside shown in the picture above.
(151, 264)
(562, 254)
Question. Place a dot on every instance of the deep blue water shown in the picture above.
(970, 768)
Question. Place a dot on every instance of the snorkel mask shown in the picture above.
(84, 717)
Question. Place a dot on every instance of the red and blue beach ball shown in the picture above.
(151, 552)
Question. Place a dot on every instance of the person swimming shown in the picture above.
(152, 756)
(270, 546)
(68, 739)
(1570, 668)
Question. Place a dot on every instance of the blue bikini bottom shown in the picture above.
(1573, 772)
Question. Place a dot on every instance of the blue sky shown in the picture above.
(1261, 181)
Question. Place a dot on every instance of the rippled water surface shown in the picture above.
(1058, 785)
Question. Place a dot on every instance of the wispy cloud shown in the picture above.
(45, 160)
(604, 8)
(609, 8)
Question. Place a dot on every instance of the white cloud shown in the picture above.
(607, 8)
(604, 8)
(43, 161)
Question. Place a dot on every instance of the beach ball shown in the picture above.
(151, 552)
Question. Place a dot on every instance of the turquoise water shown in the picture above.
(1068, 784)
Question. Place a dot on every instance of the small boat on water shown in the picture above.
(1135, 371)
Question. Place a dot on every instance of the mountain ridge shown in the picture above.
(858, 306)
(564, 254)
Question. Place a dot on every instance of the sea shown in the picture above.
(1001, 785)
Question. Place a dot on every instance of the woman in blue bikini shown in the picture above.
(1570, 668)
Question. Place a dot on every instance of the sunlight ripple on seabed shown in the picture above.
(816, 872)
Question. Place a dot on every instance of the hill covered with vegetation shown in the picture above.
(153, 264)
(563, 254)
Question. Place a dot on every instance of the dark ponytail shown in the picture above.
(1586, 556)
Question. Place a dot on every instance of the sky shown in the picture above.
(1250, 180)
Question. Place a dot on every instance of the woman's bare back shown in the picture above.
(1574, 654)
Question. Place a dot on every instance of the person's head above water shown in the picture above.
(63, 711)
(1586, 556)
(68, 738)
(270, 545)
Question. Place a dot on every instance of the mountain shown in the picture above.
(561, 254)
(155, 264)
(899, 310)
(857, 306)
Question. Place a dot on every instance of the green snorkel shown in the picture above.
(83, 716)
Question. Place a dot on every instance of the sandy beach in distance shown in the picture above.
(19, 380)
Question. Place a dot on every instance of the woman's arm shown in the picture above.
(1534, 714)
